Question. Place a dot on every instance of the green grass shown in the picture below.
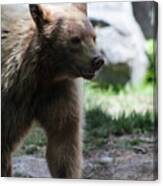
(128, 99)
(151, 71)
(36, 137)
(109, 111)
(94, 88)
(101, 124)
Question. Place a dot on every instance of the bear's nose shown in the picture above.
(97, 62)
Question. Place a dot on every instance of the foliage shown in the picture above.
(151, 52)
(36, 137)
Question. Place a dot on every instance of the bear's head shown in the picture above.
(68, 39)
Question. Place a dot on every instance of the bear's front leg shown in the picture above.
(60, 114)
(64, 150)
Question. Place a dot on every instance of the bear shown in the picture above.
(46, 51)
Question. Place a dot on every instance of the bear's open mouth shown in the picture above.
(86, 72)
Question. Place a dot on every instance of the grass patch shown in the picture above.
(129, 99)
(36, 137)
(135, 142)
(100, 124)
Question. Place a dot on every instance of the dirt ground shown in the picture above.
(128, 157)
(118, 160)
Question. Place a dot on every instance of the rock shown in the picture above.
(31, 167)
(150, 139)
(121, 40)
(138, 149)
(104, 160)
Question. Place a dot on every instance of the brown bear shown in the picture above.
(45, 50)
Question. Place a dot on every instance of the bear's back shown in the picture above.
(17, 28)
(15, 24)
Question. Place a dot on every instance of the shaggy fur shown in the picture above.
(44, 51)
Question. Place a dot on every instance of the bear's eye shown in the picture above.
(76, 40)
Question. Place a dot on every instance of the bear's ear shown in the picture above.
(81, 6)
(38, 14)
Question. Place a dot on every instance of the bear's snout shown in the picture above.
(97, 62)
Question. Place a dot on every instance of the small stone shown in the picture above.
(138, 149)
(104, 160)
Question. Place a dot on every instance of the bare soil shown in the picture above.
(129, 157)
(119, 160)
